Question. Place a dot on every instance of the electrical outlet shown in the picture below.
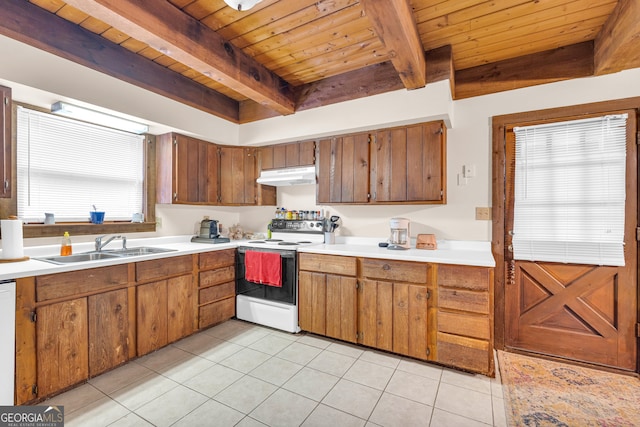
(461, 180)
(159, 221)
(483, 214)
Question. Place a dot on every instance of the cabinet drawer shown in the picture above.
(463, 300)
(95, 280)
(330, 264)
(165, 267)
(395, 271)
(215, 293)
(217, 259)
(462, 352)
(465, 324)
(457, 276)
(216, 312)
(214, 277)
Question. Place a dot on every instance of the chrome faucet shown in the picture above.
(100, 245)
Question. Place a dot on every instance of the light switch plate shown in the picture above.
(469, 171)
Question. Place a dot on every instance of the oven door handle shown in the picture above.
(283, 254)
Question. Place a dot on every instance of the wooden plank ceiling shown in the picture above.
(284, 56)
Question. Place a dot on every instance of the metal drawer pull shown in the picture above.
(386, 267)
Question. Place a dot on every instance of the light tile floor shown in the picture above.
(240, 374)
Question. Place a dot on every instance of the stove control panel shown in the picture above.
(296, 226)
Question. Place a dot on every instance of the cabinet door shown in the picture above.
(410, 320)
(151, 313)
(407, 164)
(187, 169)
(5, 142)
(237, 176)
(375, 314)
(108, 331)
(343, 169)
(312, 302)
(341, 312)
(62, 345)
(182, 305)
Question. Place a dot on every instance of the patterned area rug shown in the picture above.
(540, 392)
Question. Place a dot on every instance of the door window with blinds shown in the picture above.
(66, 167)
(569, 194)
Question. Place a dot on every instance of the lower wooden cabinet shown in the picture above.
(108, 330)
(465, 317)
(76, 325)
(439, 313)
(62, 345)
(216, 287)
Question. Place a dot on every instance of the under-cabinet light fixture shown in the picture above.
(241, 5)
(97, 117)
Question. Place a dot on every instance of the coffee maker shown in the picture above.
(209, 232)
(400, 235)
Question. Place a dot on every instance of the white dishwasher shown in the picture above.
(7, 341)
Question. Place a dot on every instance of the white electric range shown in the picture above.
(275, 306)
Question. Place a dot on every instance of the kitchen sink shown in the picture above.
(70, 259)
(109, 254)
(144, 250)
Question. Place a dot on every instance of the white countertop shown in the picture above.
(448, 252)
(34, 267)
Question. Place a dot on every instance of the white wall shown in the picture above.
(468, 139)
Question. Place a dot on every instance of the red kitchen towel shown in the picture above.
(263, 267)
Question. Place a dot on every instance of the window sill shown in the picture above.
(83, 228)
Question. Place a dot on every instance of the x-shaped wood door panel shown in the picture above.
(569, 295)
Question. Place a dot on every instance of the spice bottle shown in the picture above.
(65, 248)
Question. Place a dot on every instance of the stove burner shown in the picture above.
(256, 241)
(302, 242)
(273, 240)
(287, 243)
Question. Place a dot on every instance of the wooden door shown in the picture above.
(581, 312)
(108, 331)
(312, 302)
(151, 313)
(181, 306)
(62, 345)
(343, 165)
(5, 142)
(375, 314)
(341, 313)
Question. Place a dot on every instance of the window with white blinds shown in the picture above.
(569, 195)
(65, 166)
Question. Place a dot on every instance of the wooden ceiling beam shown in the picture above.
(32, 25)
(372, 80)
(569, 62)
(167, 29)
(617, 45)
(395, 26)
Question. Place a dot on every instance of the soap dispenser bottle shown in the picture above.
(65, 248)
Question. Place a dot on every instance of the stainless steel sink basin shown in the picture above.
(144, 250)
(70, 259)
(109, 254)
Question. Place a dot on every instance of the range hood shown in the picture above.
(288, 176)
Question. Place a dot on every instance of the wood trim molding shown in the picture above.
(616, 46)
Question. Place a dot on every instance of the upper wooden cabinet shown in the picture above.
(187, 170)
(408, 164)
(397, 165)
(343, 169)
(287, 155)
(5, 143)
(195, 172)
